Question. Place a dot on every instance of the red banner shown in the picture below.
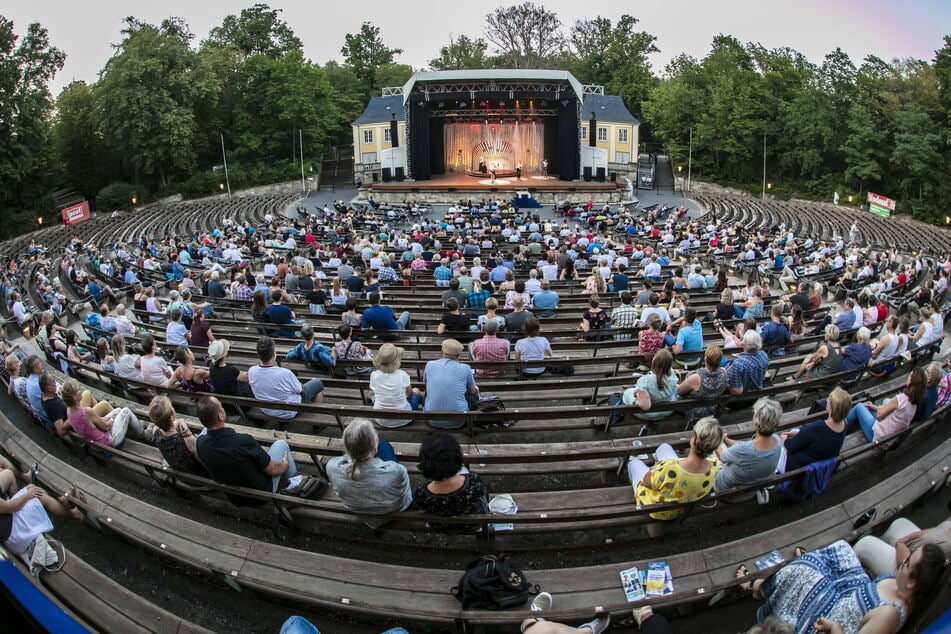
(75, 213)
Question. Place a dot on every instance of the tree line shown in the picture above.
(154, 121)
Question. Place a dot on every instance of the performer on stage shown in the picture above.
(545, 167)
(482, 165)
(492, 171)
(518, 171)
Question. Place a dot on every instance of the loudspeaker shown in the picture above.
(600, 175)
(387, 175)
(587, 173)
(376, 177)
(400, 173)
(613, 176)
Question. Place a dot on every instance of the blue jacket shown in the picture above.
(813, 481)
(319, 354)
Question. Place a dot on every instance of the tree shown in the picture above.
(615, 56)
(149, 90)
(916, 151)
(463, 53)
(864, 147)
(527, 35)
(25, 105)
(84, 157)
(365, 53)
(258, 30)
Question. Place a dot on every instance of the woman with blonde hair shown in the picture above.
(676, 479)
(108, 429)
(123, 364)
(595, 284)
(338, 295)
(368, 479)
(175, 439)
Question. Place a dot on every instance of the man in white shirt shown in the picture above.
(269, 382)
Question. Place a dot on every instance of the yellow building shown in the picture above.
(616, 129)
(371, 137)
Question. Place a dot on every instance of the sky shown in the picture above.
(87, 31)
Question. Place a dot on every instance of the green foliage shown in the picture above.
(526, 35)
(463, 53)
(365, 53)
(256, 31)
(26, 67)
(84, 155)
(117, 195)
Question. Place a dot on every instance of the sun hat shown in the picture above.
(388, 358)
(218, 349)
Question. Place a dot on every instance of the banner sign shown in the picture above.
(75, 213)
(880, 205)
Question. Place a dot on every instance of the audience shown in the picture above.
(450, 386)
(391, 386)
(270, 382)
(451, 489)
(752, 461)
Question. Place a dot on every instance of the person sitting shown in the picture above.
(689, 336)
(748, 370)
(451, 490)
(881, 556)
(237, 459)
(857, 354)
(821, 439)
(655, 309)
(675, 479)
(186, 376)
(532, 347)
(24, 513)
(380, 317)
(391, 386)
(270, 382)
(450, 386)
(829, 590)
(175, 439)
(454, 291)
(707, 382)
(515, 320)
(752, 461)
(226, 379)
(368, 479)
(316, 355)
(454, 320)
(657, 386)
(83, 416)
(490, 348)
(491, 305)
(826, 360)
(774, 332)
(518, 291)
(545, 302)
(894, 414)
(280, 314)
(929, 402)
(201, 334)
(753, 307)
(595, 318)
(155, 370)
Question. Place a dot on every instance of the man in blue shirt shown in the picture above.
(280, 314)
(619, 280)
(381, 317)
(34, 393)
(545, 301)
(497, 274)
(690, 336)
(450, 386)
(774, 332)
(442, 273)
(748, 371)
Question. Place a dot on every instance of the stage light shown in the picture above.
(463, 104)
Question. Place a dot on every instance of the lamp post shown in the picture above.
(690, 159)
(764, 163)
(39, 220)
(303, 190)
(224, 159)
(134, 199)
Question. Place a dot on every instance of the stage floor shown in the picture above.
(465, 182)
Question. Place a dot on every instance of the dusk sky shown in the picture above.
(914, 28)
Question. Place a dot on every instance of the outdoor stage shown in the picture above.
(448, 188)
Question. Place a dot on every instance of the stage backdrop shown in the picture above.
(502, 145)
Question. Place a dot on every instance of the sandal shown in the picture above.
(746, 587)
(800, 551)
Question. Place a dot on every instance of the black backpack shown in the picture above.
(491, 584)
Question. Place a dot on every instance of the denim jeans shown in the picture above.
(311, 389)
(277, 451)
(865, 418)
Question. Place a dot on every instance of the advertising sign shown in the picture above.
(880, 205)
(75, 213)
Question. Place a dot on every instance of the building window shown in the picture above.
(368, 136)
(386, 135)
(602, 134)
(622, 135)
(622, 157)
(584, 133)
(368, 157)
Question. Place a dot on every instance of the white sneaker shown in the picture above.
(542, 602)
(598, 625)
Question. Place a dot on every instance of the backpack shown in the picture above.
(489, 583)
(615, 400)
(491, 403)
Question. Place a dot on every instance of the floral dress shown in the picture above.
(828, 583)
(469, 499)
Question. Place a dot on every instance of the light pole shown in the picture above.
(224, 159)
(690, 159)
(764, 163)
(303, 191)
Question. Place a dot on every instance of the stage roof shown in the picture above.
(380, 110)
(609, 108)
(488, 74)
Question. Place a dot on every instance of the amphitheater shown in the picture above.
(163, 551)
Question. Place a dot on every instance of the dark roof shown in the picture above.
(606, 108)
(381, 109)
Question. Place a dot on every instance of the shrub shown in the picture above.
(116, 195)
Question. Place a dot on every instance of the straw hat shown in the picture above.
(388, 357)
(451, 348)
(218, 349)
